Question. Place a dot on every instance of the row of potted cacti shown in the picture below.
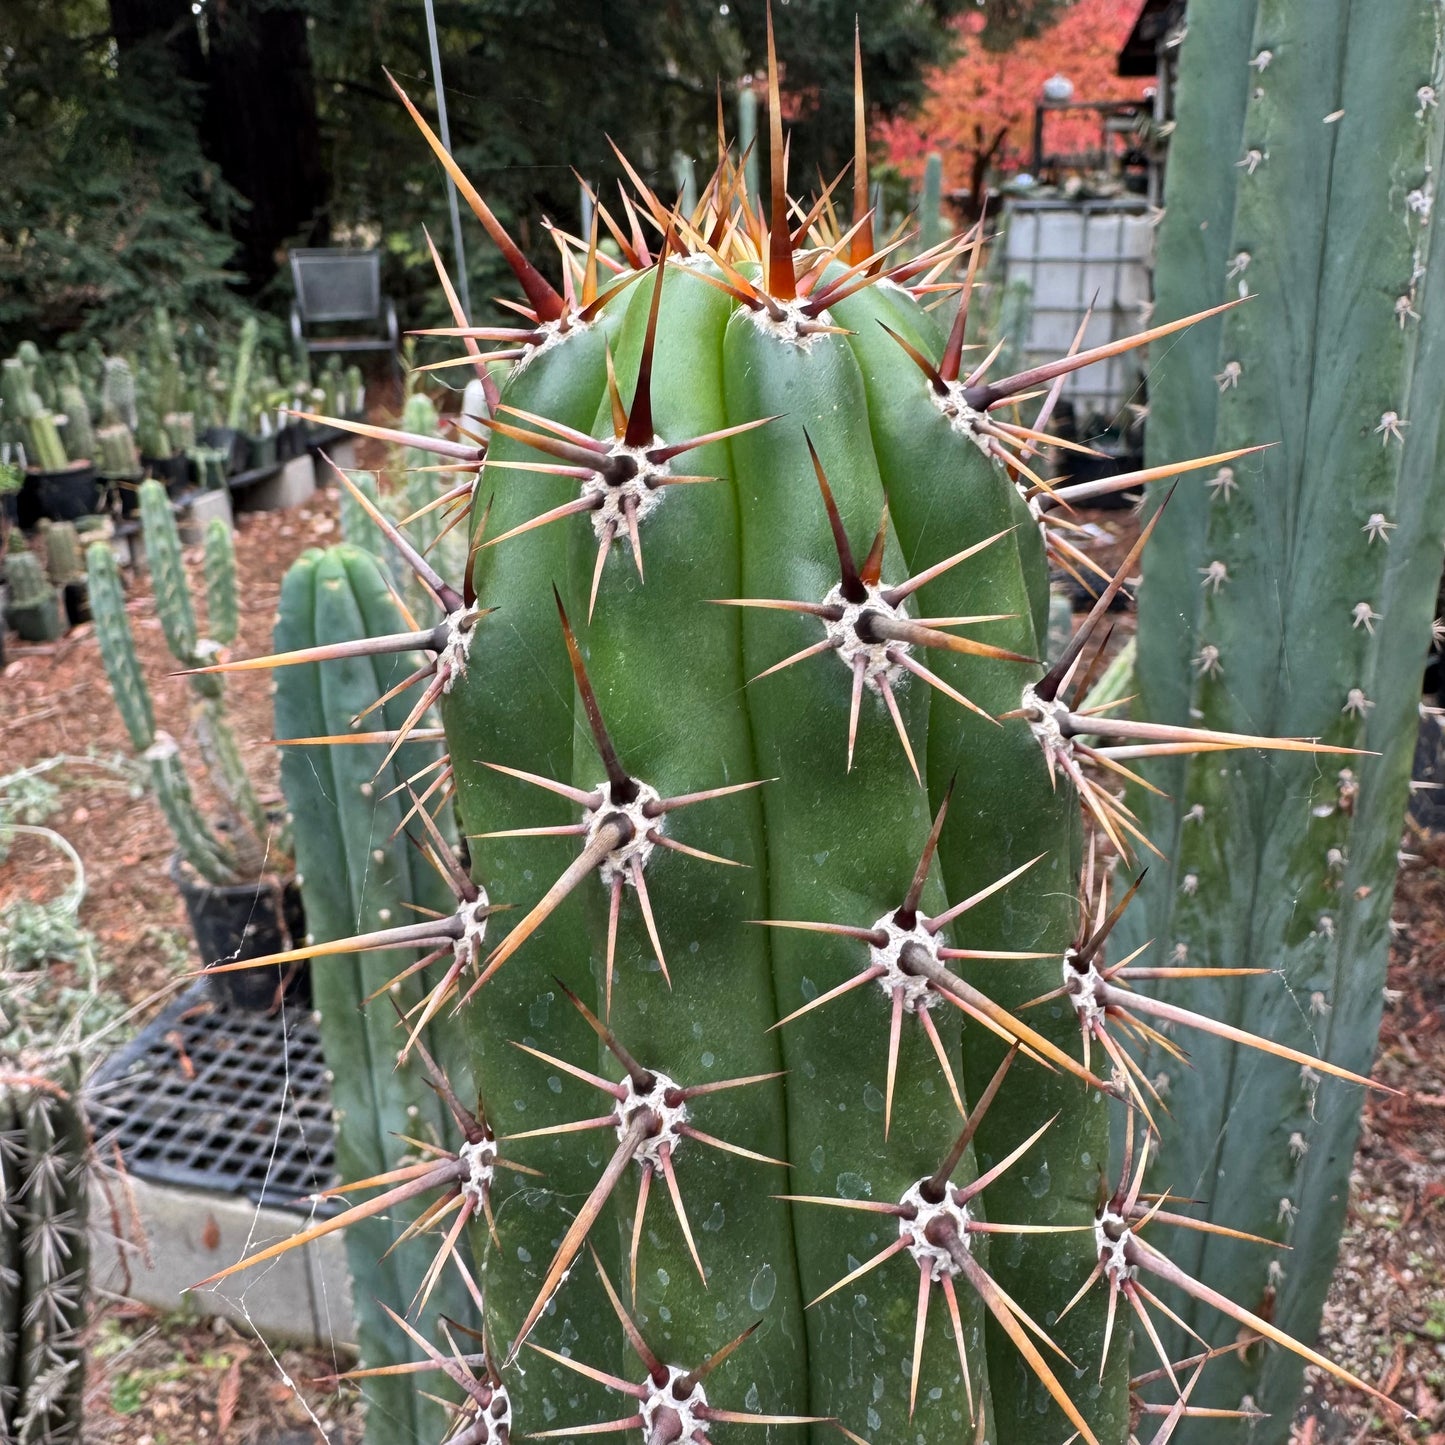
(44, 597)
(184, 409)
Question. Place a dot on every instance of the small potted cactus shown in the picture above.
(233, 874)
(33, 608)
(57, 485)
(11, 480)
(66, 571)
(229, 437)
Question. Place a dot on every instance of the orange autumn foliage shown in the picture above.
(982, 93)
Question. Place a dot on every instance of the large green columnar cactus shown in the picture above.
(357, 875)
(1295, 594)
(802, 1006)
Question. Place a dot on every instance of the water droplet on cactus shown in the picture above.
(816, 1159)
(715, 1220)
(764, 1287)
(524, 1254)
(752, 1399)
(873, 1098)
(1038, 1183)
(853, 1186)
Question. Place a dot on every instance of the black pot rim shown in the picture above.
(70, 469)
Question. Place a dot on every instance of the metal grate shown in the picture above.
(212, 1097)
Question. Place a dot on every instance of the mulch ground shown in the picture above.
(167, 1380)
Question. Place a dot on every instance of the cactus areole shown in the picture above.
(780, 814)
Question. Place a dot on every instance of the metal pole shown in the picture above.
(436, 76)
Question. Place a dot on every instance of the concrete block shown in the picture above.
(303, 1297)
(342, 452)
(290, 486)
(198, 511)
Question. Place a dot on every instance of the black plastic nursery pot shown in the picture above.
(241, 921)
(290, 441)
(174, 472)
(63, 496)
(261, 452)
(233, 443)
(124, 500)
(76, 593)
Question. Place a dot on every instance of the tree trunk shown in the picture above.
(260, 127)
(138, 24)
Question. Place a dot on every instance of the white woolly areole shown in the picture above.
(933, 1258)
(962, 417)
(669, 1116)
(611, 510)
(165, 746)
(553, 334)
(849, 645)
(790, 325)
(1045, 722)
(495, 1422)
(663, 1400)
(618, 863)
(1116, 1267)
(452, 659)
(480, 1159)
(1083, 986)
(918, 992)
(473, 919)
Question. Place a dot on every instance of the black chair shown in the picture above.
(338, 285)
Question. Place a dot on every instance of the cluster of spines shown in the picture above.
(614, 839)
(44, 1155)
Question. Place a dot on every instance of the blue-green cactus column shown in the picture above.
(1293, 595)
